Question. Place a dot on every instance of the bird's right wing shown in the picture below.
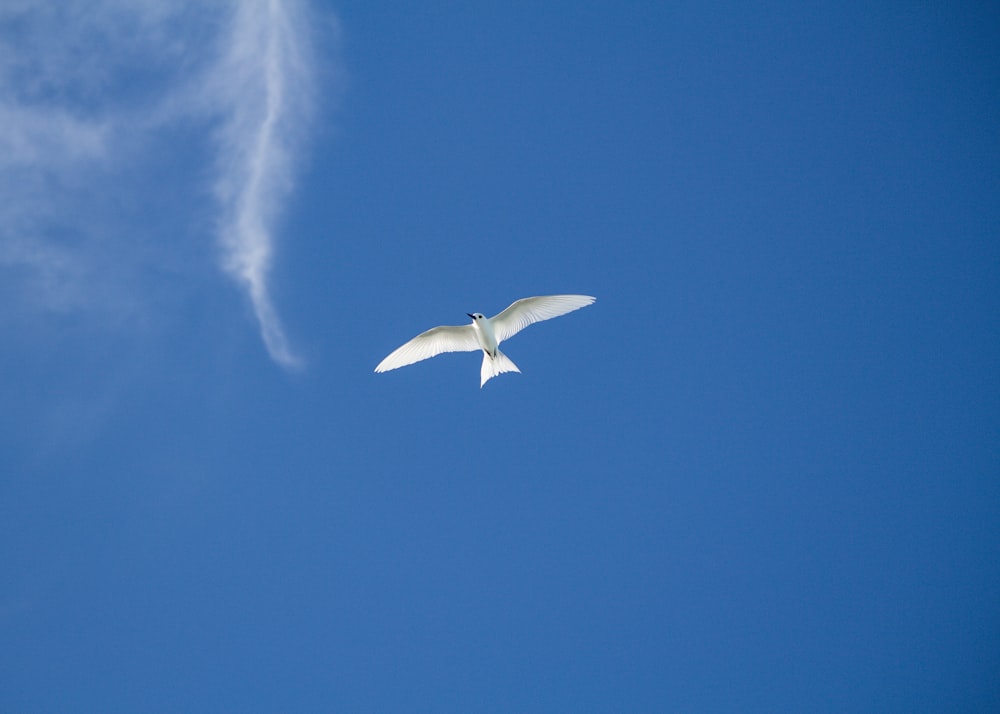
(430, 344)
(535, 309)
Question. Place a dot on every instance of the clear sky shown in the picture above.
(759, 474)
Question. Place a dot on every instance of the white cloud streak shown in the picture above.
(92, 94)
(264, 84)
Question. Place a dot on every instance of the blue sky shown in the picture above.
(759, 474)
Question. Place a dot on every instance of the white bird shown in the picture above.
(484, 334)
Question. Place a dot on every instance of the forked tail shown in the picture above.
(492, 366)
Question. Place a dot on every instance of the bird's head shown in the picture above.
(476, 316)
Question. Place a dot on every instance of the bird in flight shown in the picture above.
(485, 333)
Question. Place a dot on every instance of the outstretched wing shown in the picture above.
(430, 344)
(535, 309)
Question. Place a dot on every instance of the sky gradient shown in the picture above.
(759, 474)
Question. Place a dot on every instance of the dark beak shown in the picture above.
(471, 315)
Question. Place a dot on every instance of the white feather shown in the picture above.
(535, 309)
(430, 344)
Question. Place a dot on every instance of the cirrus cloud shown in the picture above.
(92, 98)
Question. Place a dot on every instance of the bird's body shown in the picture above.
(484, 333)
(494, 361)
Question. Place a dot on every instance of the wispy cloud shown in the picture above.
(263, 85)
(92, 98)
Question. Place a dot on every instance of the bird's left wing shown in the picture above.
(535, 309)
(430, 344)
